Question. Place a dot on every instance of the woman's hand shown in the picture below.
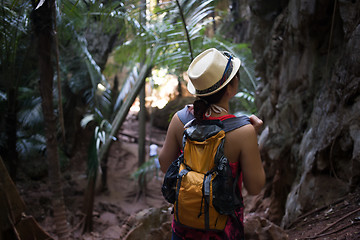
(256, 122)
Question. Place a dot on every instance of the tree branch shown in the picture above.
(186, 30)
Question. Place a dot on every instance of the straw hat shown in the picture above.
(210, 71)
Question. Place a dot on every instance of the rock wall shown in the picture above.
(308, 59)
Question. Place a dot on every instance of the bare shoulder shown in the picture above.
(238, 141)
(176, 129)
(176, 123)
(243, 132)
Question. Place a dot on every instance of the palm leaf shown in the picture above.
(31, 117)
(30, 146)
(2, 96)
(189, 17)
(126, 88)
(145, 168)
(86, 120)
(199, 16)
(247, 65)
(30, 114)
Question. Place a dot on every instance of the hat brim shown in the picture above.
(236, 66)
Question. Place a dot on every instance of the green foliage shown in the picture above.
(166, 30)
(164, 33)
(244, 101)
(177, 52)
(30, 114)
(101, 133)
(84, 75)
(162, 40)
(17, 79)
(14, 41)
(126, 88)
(30, 146)
(145, 169)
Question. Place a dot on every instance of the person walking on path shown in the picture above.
(214, 78)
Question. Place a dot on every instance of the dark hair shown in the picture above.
(201, 104)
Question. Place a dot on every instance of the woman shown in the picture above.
(214, 78)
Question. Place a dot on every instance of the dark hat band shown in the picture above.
(226, 75)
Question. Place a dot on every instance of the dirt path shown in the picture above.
(114, 207)
(123, 189)
(122, 197)
(339, 220)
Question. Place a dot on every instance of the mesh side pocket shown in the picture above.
(168, 188)
(223, 196)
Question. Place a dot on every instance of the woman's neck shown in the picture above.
(217, 110)
(224, 103)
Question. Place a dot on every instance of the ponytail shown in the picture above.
(202, 104)
(200, 108)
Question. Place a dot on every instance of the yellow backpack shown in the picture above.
(199, 182)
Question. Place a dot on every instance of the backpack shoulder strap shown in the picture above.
(185, 115)
(236, 122)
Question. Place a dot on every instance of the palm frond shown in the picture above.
(86, 120)
(243, 52)
(186, 19)
(14, 29)
(31, 117)
(146, 168)
(2, 96)
(30, 146)
(248, 96)
(94, 70)
(126, 88)
(30, 114)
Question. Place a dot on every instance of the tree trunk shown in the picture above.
(90, 189)
(236, 19)
(11, 156)
(142, 95)
(142, 127)
(121, 114)
(142, 112)
(179, 87)
(42, 18)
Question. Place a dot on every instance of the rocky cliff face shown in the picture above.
(308, 59)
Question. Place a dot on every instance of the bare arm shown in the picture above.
(253, 171)
(172, 144)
